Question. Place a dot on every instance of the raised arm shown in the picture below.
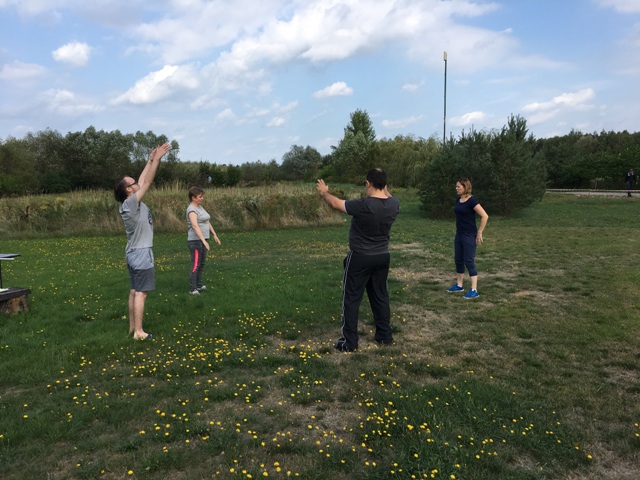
(149, 172)
(333, 201)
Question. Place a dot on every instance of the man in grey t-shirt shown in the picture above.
(138, 225)
(367, 264)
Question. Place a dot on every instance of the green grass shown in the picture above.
(537, 378)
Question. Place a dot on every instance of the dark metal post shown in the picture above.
(444, 129)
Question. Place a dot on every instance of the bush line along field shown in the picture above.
(95, 212)
(536, 379)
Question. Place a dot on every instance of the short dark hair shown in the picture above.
(377, 178)
(120, 189)
(194, 192)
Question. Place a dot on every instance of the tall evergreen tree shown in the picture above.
(505, 173)
(357, 152)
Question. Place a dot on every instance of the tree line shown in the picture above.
(508, 166)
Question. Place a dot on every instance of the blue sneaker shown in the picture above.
(455, 288)
(471, 294)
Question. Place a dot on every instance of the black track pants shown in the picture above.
(366, 272)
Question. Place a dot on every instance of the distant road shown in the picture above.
(586, 192)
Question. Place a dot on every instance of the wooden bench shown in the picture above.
(14, 300)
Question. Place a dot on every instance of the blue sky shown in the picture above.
(237, 81)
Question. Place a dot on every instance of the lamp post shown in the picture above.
(444, 128)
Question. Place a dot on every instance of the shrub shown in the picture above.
(505, 173)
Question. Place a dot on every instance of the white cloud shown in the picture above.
(277, 111)
(469, 49)
(160, 85)
(337, 89)
(467, 119)
(621, 6)
(276, 122)
(66, 103)
(32, 7)
(258, 112)
(544, 111)
(225, 116)
(627, 52)
(576, 99)
(75, 54)
(402, 122)
(19, 71)
(542, 117)
(239, 47)
(634, 37)
(413, 87)
(224, 62)
(285, 108)
(196, 28)
(245, 41)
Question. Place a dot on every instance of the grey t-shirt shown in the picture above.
(138, 224)
(371, 223)
(203, 223)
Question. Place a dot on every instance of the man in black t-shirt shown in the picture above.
(366, 266)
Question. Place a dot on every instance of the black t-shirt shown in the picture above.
(371, 223)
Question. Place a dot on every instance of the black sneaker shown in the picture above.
(342, 346)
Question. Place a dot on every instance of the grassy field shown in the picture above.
(536, 379)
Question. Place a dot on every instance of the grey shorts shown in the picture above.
(142, 280)
(141, 270)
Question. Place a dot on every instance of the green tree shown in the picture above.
(597, 160)
(453, 161)
(218, 175)
(253, 173)
(560, 156)
(233, 176)
(143, 144)
(300, 163)
(405, 158)
(103, 157)
(360, 124)
(512, 177)
(48, 150)
(506, 174)
(357, 152)
(629, 158)
(18, 173)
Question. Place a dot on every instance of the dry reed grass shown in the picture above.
(95, 212)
